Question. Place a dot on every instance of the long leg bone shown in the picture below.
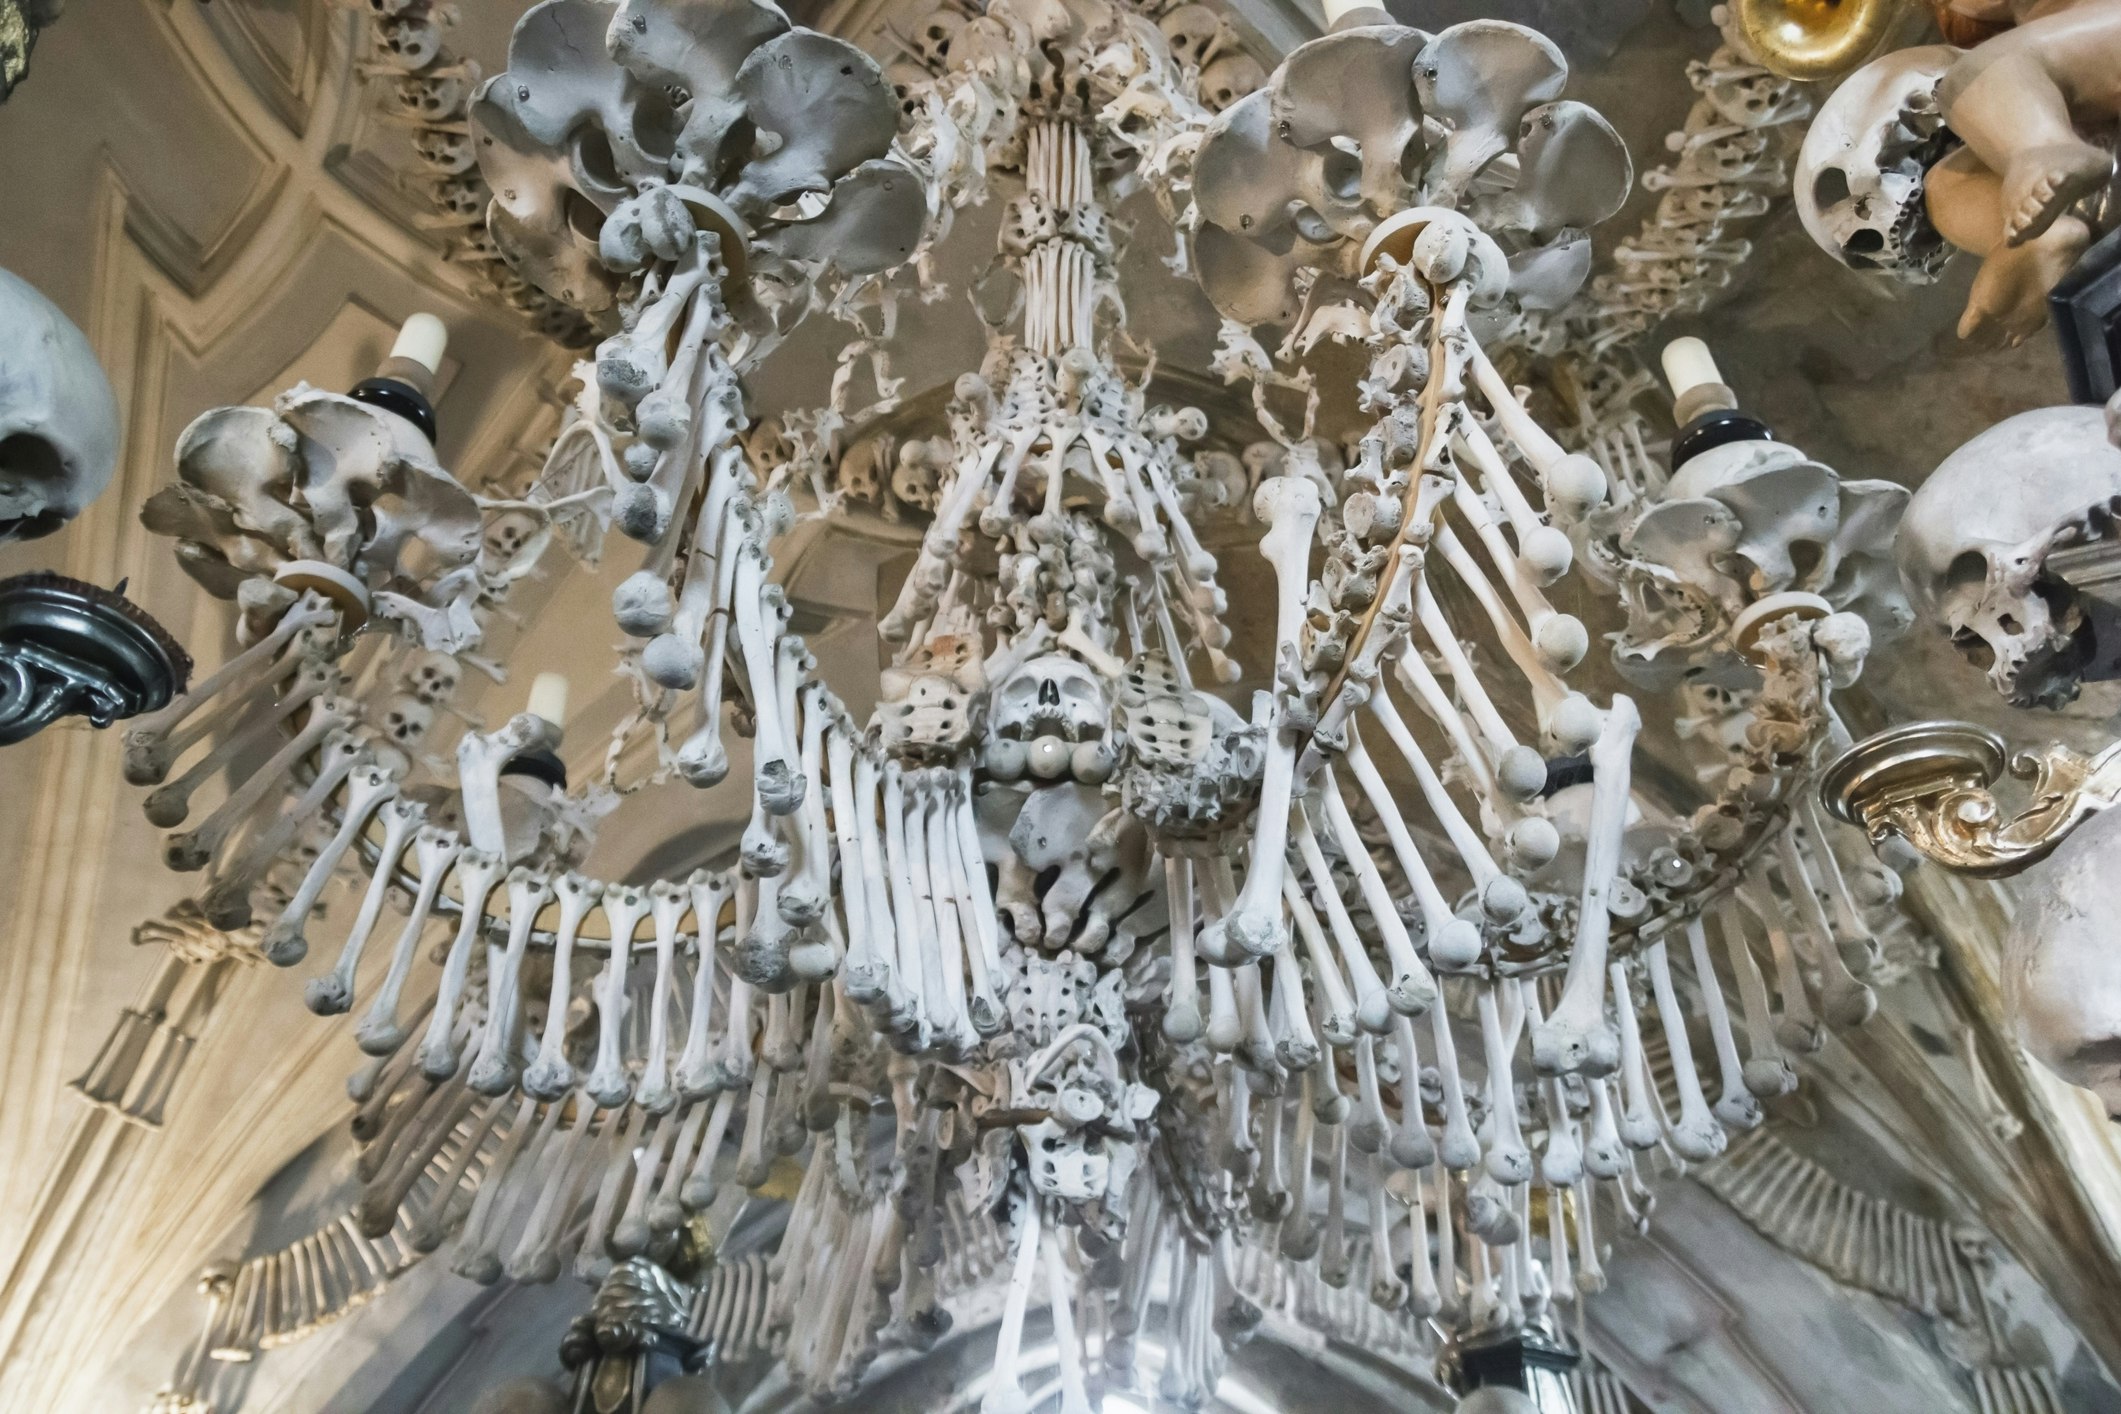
(1639, 1128)
(477, 874)
(152, 743)
(1458, 1147)
(226, 902)
(1337, 1022)
(332, 993)
(1798, 1028)
(195, 848)
(668, 902)
(1843, 1000)
(1373, 1009)
(494, 1071)
(168, 805)
(1576, 1036)
(697, 1074)
(1182, 1021)
(1289, 507)
(1736, 1107)
(780, 785)
(1508, 1159)
(436, 852)
(1696, 1136)
(1412, 990)
(1005, 1392)
(608, 1083)
(551, 1075)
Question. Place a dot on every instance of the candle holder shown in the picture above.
(68, 648)
(1930, 784)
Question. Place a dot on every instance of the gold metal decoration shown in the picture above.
(1813, 40)
(1929, 783)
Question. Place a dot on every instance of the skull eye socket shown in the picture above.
(1967, 569)
(1830, 188)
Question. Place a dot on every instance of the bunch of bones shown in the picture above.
(1356, 981)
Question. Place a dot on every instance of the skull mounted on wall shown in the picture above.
(58, 420)
(1974, 545)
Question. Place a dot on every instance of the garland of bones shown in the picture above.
(1009, 893)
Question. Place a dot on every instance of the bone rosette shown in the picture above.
(1059, 937)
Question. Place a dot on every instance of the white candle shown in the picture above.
(1336, 10)
(423, 338)
(1688, 364)
(548, 698)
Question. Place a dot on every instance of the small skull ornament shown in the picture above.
(433, 678)
(1974, 545)
(58, 420)
(407, 720)
(1860, 178)
(1053, 695)
(1229, 77)
(512, 540)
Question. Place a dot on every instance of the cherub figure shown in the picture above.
(1990, 146)
(2020, 100)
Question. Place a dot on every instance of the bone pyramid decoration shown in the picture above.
(1194, 1003)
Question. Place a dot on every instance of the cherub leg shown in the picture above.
(2011, 101)
(2009, 297)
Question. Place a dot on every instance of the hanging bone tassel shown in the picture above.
(494, 1070)
(550, 1075)
(608, 1082)
(153, 742)
(1576, 1035)
(477, 873)
(1696, 1136)
(436, 853)
(372, 792)
(1289, 508)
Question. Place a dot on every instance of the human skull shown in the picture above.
(930, 41)
(1053, 695)
(445, 151)
(407, 720)
(1974, 544)
(433, 678)
(464, 195)
(858, 476)
(507, 535)
(1192, 31)
(1862, 172)
(410, 42)
(58, 420)
(1228, 78)
(1748, 97)
(2061, 973)
(919, 472)
(436, 97)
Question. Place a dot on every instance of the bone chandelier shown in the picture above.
(1178, 1008)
